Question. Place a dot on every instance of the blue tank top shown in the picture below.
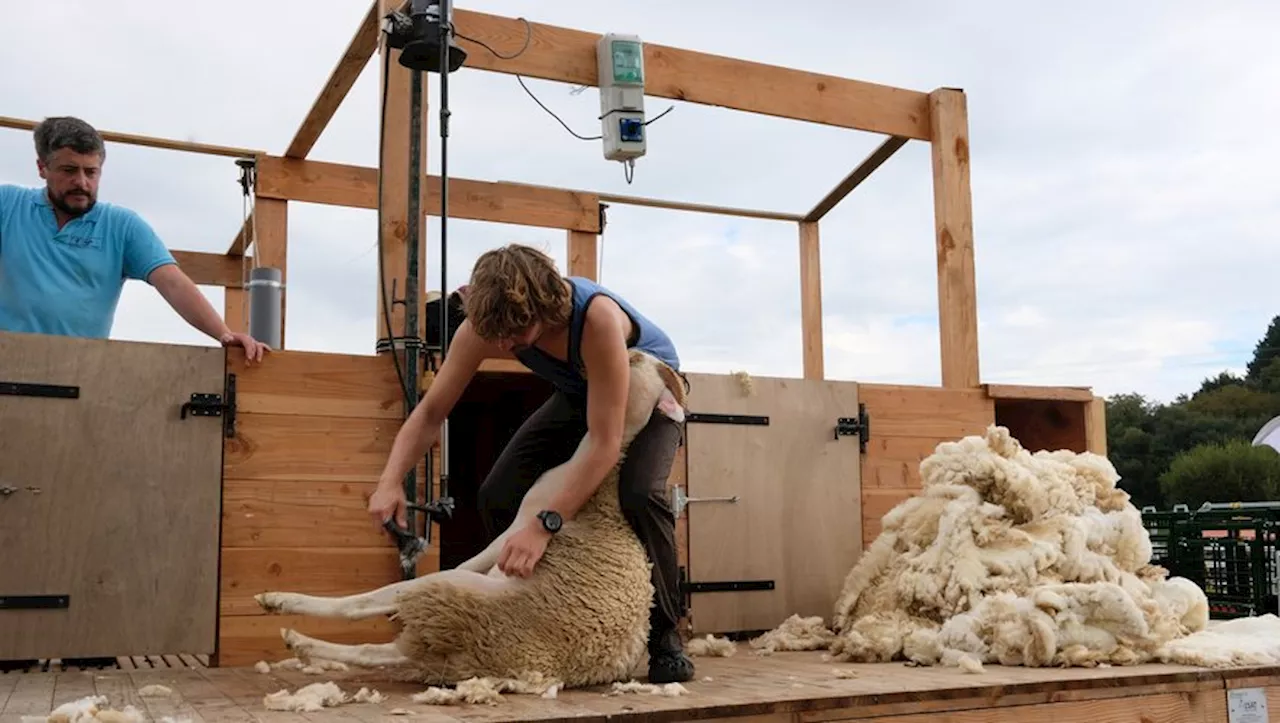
(567, 377)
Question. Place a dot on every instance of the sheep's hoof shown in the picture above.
(293, 641)
(272, 602)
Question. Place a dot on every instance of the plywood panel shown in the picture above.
(313, 435)
(115, 498)
(246, 639)
(297, 513)
(899, 410)
(798, 518)
(907, 424)
(310, 448)
(317, 571)
(322, 385)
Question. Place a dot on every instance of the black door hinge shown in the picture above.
(708, 418)
(23, 389)
(860, 425)
(35, 602)
(203, 404)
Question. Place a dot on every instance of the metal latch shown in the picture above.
(679, 501)
(206, 404)
(860, 425)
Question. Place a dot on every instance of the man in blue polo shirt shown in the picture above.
(64, 257)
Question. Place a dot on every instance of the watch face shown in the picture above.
(551, 520)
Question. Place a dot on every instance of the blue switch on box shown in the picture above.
(631, 130)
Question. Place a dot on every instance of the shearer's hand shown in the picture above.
(388, 501)
(521, 552)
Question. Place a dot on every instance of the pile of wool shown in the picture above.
(1014, 558)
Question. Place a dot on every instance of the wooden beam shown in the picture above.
(1095, 426)
(569, 56)
(584, 255)
(698, 207)
(364, 43)
(856, 177)
(357, 187)
(607, 197)
(148, 141)
(811, 301)
(207, 269)
(271, 248)
(240, 244)
(953, 223)
(1023, 391)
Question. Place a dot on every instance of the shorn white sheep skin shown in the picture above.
(1013, 558)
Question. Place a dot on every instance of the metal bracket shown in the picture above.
(679, 501)
(203, 404)
(706, 418)
(730, 586)
(35, 602)
(861, 426)
(22, 389)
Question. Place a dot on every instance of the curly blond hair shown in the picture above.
(511, 288)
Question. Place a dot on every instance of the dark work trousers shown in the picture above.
(548, 438)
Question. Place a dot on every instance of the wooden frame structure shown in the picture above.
(293, 509)
(909, 420)
(565, 55)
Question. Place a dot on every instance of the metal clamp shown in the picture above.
(679, 501)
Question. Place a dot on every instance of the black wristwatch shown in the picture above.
(551, 520)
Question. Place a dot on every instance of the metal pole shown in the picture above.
(266, 289)
(446, 20)
(413, 236)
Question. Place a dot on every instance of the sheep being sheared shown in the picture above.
(1013, 558)
(581, 618)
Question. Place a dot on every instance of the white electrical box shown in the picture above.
(620, 59)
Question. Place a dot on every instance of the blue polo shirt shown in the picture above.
(68, 282)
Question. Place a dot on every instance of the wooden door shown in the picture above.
(774, 499)
(110, 501)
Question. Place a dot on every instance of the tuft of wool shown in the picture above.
(1033, 559)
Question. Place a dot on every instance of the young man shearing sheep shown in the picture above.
(566, 330)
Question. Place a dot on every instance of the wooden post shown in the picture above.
(811, 300)
(394, 167)
(1095, 426)
(953, 221)
(584, 255)
(271, 248)
(234, 308)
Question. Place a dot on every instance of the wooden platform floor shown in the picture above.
(781, 688)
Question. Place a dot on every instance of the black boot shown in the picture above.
(667, 661)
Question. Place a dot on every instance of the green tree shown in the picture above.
(1145, 439)
(1232, 471)
(1266, 351)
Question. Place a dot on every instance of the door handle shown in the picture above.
(679, 501)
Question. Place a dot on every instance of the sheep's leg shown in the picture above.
(367, 655)
(535, 500)
(381, 601)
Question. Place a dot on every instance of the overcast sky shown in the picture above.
(1125, 181)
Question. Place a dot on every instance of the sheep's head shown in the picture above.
(650, 378)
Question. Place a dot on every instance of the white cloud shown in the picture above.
(1123, 186)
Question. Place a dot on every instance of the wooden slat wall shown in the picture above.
(907, 423)
(313, 431)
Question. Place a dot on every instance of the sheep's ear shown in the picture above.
(673, 382)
